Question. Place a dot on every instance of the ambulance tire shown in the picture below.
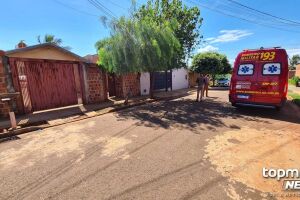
(278, 108)
(234, 105)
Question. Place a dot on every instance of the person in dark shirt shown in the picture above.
(200, 89)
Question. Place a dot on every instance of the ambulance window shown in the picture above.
(246, 69)
(271, 69)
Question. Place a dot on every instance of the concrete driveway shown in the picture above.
(177, 149)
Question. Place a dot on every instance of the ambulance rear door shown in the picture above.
(246, 81)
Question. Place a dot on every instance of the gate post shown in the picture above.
(4, 107)
(77, 83)
(15, 87)
(84, 69)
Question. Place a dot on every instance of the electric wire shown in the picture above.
(230, 14)
(267, 14)
(75, 9)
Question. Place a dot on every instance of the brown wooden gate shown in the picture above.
(46, 84)
(112, 85)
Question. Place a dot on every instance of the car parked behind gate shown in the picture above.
(223, 82)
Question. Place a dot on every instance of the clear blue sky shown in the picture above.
(77, 23)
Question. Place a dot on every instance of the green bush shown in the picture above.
(294, 80)
(296, 98)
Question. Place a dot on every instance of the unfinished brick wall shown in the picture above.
(96, 79)
(126, 83)
(4, 107)
(131, 82)
(119, 86)
(292, 73)
(297, 70)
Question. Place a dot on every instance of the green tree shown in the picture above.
(48, 38)
(211, 63)
(187, 30)
(138, 46)
(294, 61)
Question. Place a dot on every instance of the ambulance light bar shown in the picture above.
(262, 48)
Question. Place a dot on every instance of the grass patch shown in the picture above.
(296, 98)
(294, 80)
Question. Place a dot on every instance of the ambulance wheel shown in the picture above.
(234, 104)
(278, 108)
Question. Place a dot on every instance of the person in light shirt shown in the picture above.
(206, 83)
(200, 89)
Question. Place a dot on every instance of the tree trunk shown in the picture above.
(151, 92)
(213, 78)
(128, 95)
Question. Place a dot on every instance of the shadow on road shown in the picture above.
(188, 114)
(289, 113)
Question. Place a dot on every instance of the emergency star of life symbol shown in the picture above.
(245, 69)
(272, 68)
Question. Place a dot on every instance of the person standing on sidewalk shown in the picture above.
(206, 83)
(200, 88)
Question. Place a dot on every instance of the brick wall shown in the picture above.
(96, 80)
(292, 73)
(119, 86)
(131, 82)
(297, 70)
(4, 107)
(126, 83)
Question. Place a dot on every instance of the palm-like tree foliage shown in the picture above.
(48, 38)
(138, 46)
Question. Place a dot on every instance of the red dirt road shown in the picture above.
(179, 149)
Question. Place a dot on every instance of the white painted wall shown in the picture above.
(145, 83)
(180, 79)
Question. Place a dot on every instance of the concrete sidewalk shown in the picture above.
(53, 117)
(294, 89)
